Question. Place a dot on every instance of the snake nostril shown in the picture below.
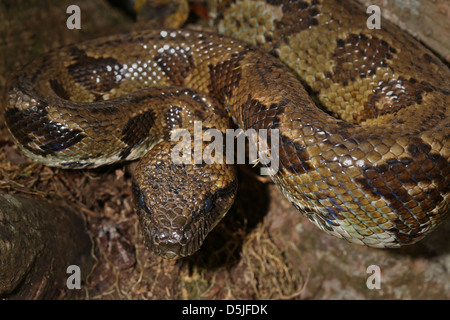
(177, 235)
(163, 236)
(188, 235)
(155, 239)
(160, 237)
(169, 244)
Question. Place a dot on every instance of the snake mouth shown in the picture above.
(180, 236)
(173, 244)
(174, 238)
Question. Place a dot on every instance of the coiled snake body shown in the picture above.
(366, 157)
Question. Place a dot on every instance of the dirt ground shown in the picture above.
(263, 249)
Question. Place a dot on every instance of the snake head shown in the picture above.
(178, 205)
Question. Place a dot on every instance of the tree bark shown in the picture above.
(38, 241)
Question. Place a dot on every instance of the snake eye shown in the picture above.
(142, 201)
(140, 197)
(208, 204)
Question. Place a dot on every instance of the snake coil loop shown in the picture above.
(373, 168)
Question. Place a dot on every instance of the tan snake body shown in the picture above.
(366, 157)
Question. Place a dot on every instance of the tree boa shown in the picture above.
(364, 130)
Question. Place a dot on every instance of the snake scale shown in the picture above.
(364, 130)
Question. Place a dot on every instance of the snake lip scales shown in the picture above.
(373, 169)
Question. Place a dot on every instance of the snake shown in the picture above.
(361, 117)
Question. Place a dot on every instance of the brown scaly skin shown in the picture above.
(177, 203)
(376, 173)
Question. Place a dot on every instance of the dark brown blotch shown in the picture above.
(137, 131)
(365, 53)
(257, 115)
(391, 96)
(297, 16)
(294, 158)
(59, 89)
(176, 64)
(95, 74)
(393, 179)
(173, 117)
(225, 77)
(34, 124)
(275, 2)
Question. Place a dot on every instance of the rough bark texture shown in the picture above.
(38, 241)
